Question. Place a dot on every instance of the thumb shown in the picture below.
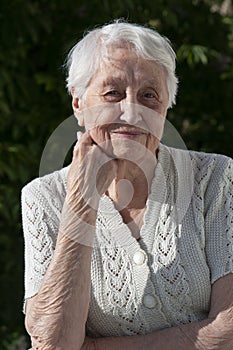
(79, 135)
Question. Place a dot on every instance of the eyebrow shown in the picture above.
(120, 80)
(111, 80)
(152, 82)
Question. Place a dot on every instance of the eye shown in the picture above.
(113, 95)
(149, 95)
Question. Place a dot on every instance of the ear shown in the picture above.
(76, 107)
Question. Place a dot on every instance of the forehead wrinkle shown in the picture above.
(113, 73)
(121, 77)
(151, 81)
(110, 80)
(124, 71)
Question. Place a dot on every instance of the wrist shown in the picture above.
(78, 224)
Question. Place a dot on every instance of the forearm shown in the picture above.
(167, 339)
(203, 335)
(57, 318)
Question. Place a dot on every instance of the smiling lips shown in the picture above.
(128, 133)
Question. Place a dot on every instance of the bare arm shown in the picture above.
(59, 308)
(56, 316)
(214, 333)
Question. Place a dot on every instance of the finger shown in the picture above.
(79, 135)
(80, 139)
(84, 140)
(87, 139)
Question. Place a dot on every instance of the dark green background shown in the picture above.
(35, 38)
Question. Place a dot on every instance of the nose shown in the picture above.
(130, 113)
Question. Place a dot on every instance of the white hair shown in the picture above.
(85, 57)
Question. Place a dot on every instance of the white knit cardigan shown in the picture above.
(165, 278)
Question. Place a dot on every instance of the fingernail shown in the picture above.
(79, 134)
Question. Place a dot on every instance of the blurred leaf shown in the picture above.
(195, 54)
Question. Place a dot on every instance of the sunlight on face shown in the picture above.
(126, 101)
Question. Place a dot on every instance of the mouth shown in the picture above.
(127, 133)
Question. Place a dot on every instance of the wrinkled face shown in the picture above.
(125, 103)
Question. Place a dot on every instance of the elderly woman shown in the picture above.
(131, 246)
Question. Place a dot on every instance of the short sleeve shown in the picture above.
(42, 202)
(219, 219)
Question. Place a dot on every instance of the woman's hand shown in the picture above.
(91, 172)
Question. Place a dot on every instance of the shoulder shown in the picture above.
(47, 189)
(206, 165)
(54, 181)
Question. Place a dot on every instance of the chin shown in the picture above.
(129, 150)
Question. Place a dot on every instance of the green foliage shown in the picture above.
(34, 38)
(13, 341)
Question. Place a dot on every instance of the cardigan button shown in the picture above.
(139, 258)
(149, 301)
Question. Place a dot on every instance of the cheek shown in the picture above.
(152, 143)
(99, 135)
(154, 124)
(98, 116)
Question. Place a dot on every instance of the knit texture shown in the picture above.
(165, 278)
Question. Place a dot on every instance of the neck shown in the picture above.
(131, 186)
